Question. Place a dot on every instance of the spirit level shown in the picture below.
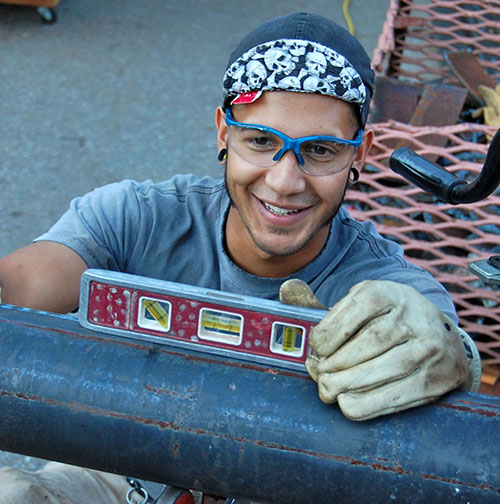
(208, 320)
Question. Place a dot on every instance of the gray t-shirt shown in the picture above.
(174, 230)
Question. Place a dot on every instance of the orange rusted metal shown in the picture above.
(441, 238)
(412, 49)
(416, 36)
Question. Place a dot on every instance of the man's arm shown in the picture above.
(44, 275)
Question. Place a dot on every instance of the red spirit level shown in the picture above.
(198, 318)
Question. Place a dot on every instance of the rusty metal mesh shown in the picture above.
(441, 238)
(416, 36)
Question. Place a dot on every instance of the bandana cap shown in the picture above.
(304, 53)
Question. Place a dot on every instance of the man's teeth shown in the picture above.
(279, 211)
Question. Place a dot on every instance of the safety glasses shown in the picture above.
(317, 155)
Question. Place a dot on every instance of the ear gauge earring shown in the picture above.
(222, 156)
(353, 175)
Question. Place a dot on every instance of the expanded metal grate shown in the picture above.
(441, 238)
(417, 35)
(444, 239)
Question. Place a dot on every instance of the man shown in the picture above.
(291, 134)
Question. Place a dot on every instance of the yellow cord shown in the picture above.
(345, 10)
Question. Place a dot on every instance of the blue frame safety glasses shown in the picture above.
(317, 155)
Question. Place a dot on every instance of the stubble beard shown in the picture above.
(293, 248)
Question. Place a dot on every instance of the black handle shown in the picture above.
(444, 185)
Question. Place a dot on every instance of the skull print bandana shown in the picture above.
(301, 52)
(295, 65)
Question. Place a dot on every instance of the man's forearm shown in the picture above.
(43, 276)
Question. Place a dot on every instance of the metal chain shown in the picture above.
(139, 489)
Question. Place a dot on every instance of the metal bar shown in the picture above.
(445, 185)
(226, 427)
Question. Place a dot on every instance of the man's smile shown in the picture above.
(280, 211)
(282, 214)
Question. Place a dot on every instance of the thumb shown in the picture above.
(297, 292)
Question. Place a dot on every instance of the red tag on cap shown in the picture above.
(249, 97)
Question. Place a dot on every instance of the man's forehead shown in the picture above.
(286, 99)
(296, 114)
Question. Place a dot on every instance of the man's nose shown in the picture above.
(285, 176)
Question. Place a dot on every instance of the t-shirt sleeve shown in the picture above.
(98, 227)
(365, 255)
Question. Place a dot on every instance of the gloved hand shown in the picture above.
(382, 348)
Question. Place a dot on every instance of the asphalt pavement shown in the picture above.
(119, 89)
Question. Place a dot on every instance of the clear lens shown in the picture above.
(260, 147)
(325, 151)
(259, 144)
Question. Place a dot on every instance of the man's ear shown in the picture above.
(362, 151)
(220, 124)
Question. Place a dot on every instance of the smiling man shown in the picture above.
(292, 135)
(285, 206)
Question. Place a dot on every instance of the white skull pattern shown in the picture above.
(315, 63)
(316, 85)
(289, 82)
(297, 48)
(336, 59)
(256, 74)
(279, 60)
(295, 65)
(352, 95)
(347, 75)
(237, 74)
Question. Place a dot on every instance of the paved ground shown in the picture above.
(119, 89)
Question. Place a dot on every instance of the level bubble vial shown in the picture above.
(221, 326)
(287, 339)
(154, 314)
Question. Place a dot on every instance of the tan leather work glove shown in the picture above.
(383, 348)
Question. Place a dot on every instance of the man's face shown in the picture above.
(280, 216)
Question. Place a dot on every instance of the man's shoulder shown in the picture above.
(132, 196)
(364, 235)
(364, 254)
(179, 185)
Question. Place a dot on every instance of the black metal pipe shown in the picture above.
(444, 185)
(226, 427)
(487, 180)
